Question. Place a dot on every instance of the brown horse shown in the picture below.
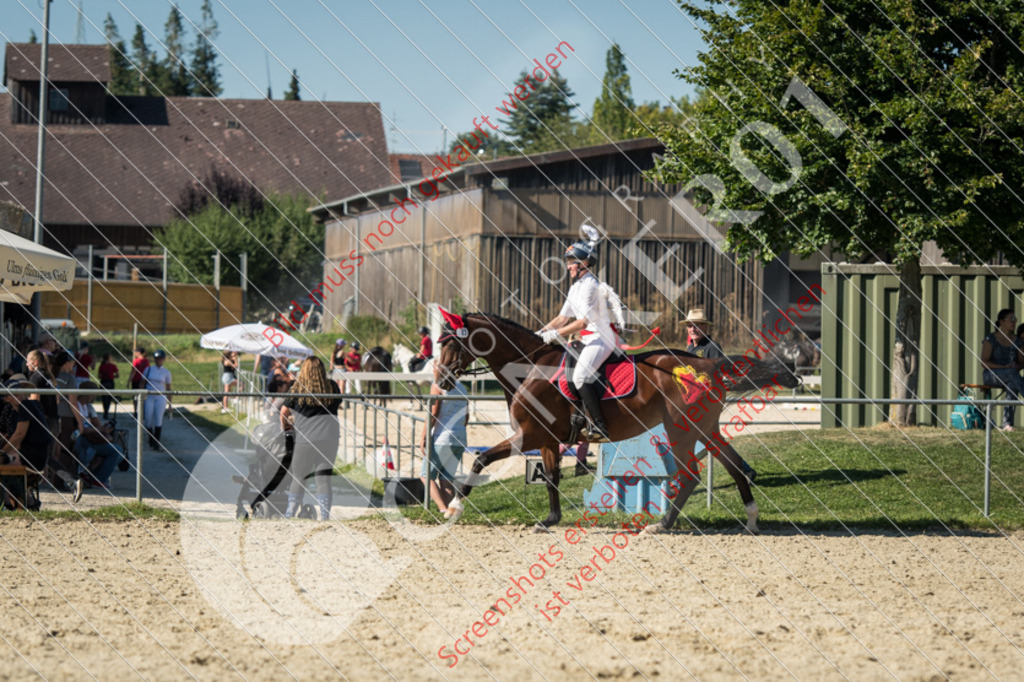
(675, 390)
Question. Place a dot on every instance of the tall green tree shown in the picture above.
(175, 80)
(531, 122)
(613, 110)
(292, 93)
(145, 69)
(871, 126)
(205, 72)
(121, 79)
(32, 38)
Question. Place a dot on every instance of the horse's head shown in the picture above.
(455, 355)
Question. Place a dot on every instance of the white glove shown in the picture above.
(551, 336)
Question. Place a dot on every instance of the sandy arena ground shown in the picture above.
(210, 598)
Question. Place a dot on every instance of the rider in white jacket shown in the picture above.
(586, 312)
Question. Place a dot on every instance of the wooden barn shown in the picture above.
(490, 236)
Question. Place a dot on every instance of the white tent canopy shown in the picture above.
(27, 267)
(250, 338)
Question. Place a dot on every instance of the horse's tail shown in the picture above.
(740, 373)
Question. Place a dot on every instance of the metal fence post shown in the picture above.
(988, 454)
(711, 476)
(140, 410)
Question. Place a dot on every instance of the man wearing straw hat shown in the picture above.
(700, 343)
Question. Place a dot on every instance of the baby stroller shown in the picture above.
(265, 489)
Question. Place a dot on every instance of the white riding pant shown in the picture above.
(591, 358)
(153, 411)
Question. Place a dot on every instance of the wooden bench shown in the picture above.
(985, 389)
(29, 480)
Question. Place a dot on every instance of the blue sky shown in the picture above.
(430, 65)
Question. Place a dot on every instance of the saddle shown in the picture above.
(617, 375)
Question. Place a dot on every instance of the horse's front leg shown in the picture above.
(552, 475)
(481, 462)
(686, 478)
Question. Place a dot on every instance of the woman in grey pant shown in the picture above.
(1002, 359)
(317, 432)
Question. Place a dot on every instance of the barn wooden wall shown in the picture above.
(117, 305)
(499, 246)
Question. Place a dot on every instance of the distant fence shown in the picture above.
(117, 305)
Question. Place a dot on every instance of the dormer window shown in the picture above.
(58, 99)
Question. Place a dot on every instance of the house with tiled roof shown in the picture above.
(115, 166)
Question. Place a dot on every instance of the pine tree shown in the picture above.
(206, 79)
(120, 66)
(613, 109)
(175, 80)
(292, 93)
(145, 68)
(536, 121)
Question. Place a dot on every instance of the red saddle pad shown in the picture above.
(619, 377)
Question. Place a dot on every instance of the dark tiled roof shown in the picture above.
(68, 63)
(130, 173)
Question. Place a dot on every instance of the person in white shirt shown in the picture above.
(447, 423)
(156, 378)
(585, 312)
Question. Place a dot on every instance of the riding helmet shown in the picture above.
(583, 252)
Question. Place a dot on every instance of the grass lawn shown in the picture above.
(821, 480)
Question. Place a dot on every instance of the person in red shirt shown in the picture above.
(139, 365)
(108, 372)
(83, 363)
(354, 363)
(426, 351)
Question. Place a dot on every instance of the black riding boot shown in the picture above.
(590, 395)
(156, 437)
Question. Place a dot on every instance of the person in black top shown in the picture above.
(700, 343)
(1002, 359)
(30, 442)
(317, 433)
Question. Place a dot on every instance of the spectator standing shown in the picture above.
(41, 377)
(229, 376)
(139, 364)
(700, 343)
(338, 361)
(1001, 360)
(317, 432)
(48, 345)
(447, 426)
(354, 363)
(17, 365)
(67, 410)
(83, 364)
(108, 373)
(157, 378)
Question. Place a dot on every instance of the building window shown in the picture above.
(409, 169)
(58, 99)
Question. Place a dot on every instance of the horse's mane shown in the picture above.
(503, 320)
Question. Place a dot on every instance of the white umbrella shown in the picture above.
(27, 267)
(254, 337)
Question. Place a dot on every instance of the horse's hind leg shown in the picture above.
(731, 461)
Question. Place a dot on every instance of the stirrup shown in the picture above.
(592, 435)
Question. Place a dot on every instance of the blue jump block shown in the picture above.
(633, 473)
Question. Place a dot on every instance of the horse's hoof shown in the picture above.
(752, 514)
(541, 528)
(652, 529)
(454, 511)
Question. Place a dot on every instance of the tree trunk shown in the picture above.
(906, 350)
